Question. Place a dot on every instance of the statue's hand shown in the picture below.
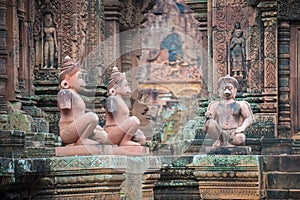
(208, 115)
(239, 130)
(99, 128)
(101, 134)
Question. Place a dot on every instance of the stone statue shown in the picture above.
(75, 125)
(237, 51)
(50, 44)
(226, 120)
(121, 128)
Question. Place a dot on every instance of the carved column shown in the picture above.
(218, 37)
(284, 110)
(3, 61)
(13, 47)
(201, 14)
(22, 47)
(289, 78)
(270, 92)
(126, 41)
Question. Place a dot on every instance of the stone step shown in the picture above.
(282, 194)
(296, 147)
(282, 177)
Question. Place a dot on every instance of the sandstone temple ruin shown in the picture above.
(173, 53)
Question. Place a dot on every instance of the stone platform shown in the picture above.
(151, 177)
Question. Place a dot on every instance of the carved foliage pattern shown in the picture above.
(254, 81)
(219, 38)
(92, 33)
(270, 60)
(67, 34)
(289, 9)
(110, 51)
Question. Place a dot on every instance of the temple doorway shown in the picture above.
(295, 79)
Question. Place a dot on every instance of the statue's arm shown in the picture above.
(111, 104)
(64, 99)
(55, 39)
(247, 114)
(210, 113)
(232, 43)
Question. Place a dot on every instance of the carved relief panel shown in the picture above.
(65, 28)
(47, 38)
(236, 43)
(172, 49)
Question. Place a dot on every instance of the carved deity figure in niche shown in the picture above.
(121, 128)
(50, 41)
(237, 51)
(226, 120)
(76, 126)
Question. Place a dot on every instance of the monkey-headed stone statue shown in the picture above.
(227, 119)
(121, 128)
(76, 126)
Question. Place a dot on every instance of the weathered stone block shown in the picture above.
(283, 180)
(282, 163)
(276, 146)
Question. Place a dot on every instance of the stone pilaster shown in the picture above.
(13, 46)
(270, 91)
(141, 175)
(3, 61)
(284, 108)
(218, 44)
(112, 41)
(200, 8)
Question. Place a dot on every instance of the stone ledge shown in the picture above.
(76, 150)
(228, 150)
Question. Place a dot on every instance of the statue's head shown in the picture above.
(227, 86)
(118, 83)
(48, 19)
(71, 76)
(237, 29)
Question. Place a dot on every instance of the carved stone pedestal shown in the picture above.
(227, 177)
(82, 177)
(110, 177)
